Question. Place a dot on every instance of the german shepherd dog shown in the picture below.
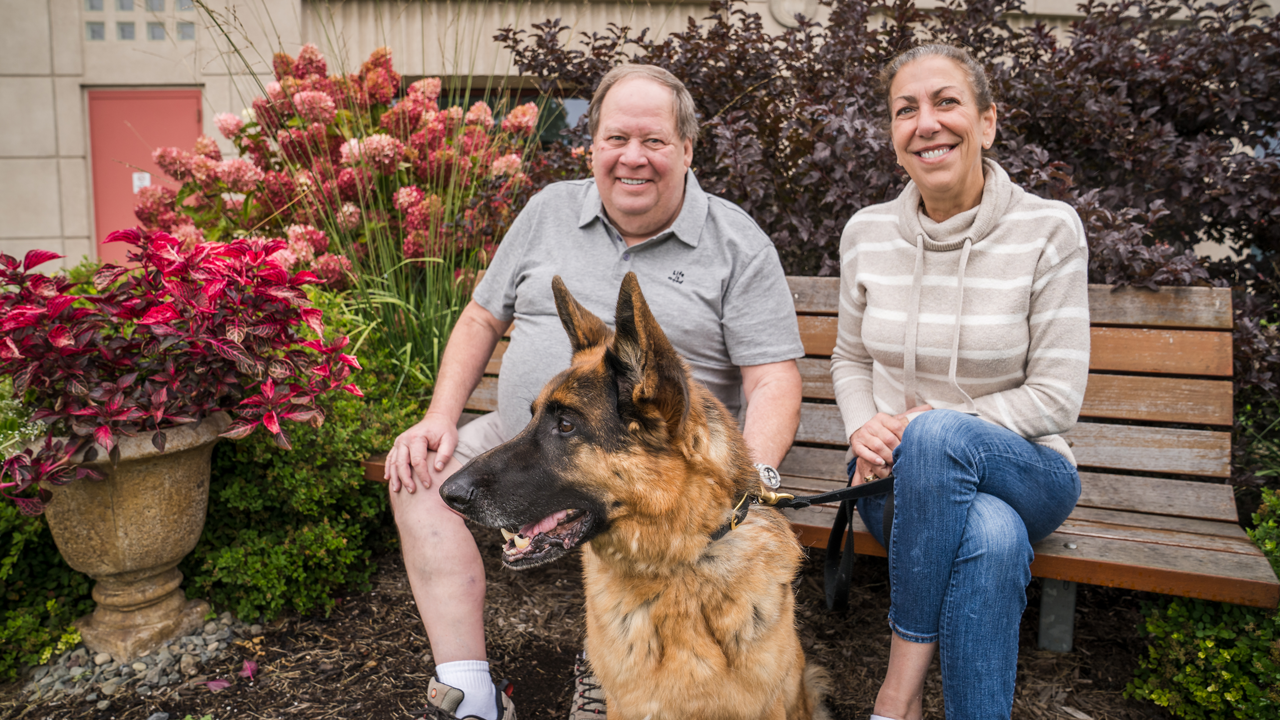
(629, 457)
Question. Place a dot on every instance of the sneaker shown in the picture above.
(443, 701)
(588, 697)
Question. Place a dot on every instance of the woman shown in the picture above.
(962, 354)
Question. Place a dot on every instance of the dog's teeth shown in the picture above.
(522, 542)
(507, 534)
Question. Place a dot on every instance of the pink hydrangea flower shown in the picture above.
(508, 164)
(207, 147)
(188, 234)
(314, 238)
(348, 217)
(310, 62)
(315, 107)
(452, 118)
(415, 245)
(522, 120)
(480, 115)
(175, 162)
(382, 153)
(427, 88)
(155, 207)
(302, 251)
(409, 196)
(229, 125)
(381, 85)
(204, 170)
(285, 258)
(275, 91)
(349, 153)
(240, 175)
(335, 270)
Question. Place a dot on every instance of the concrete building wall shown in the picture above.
(52, 52)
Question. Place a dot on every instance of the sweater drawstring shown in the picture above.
(913, 323)
(970, 405)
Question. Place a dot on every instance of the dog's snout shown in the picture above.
(458, 493)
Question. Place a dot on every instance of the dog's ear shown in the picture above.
(585, 330)
(651, 377)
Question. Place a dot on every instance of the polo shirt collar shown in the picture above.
(688, 225)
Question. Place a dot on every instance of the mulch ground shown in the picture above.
(370, 658)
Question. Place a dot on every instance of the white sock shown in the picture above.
(472, 678)
(880, 717)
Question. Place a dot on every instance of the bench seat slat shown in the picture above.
(1228, 533)
(818, 470)
(1134, 563)
(1187, 307)
(1151, 449)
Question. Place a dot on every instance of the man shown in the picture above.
(712, 279)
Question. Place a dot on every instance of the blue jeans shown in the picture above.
(970, 498)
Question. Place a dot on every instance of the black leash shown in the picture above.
(837, 567)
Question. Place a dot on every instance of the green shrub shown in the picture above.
(1206, 660)
(39, 594)
(291, 530)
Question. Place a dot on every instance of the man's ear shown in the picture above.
(652, 380)
(585, 330)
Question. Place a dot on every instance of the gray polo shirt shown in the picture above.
(712, 280)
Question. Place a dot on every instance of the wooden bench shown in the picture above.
(1153, 444)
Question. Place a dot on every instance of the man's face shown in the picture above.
(638, 158)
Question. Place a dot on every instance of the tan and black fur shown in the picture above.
(627, 454)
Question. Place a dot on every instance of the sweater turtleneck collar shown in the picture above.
(973, 224)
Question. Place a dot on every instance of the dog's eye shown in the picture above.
(566, 427)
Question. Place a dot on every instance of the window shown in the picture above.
(93, 6)
(155, 5)
(186, 31)
(124, 31)
(186, 4)
(95, 31)
(125, 5)
(155, 31)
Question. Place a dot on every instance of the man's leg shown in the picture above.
(447, 578)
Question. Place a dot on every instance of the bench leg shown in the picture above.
(1057, 614)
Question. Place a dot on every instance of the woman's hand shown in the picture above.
(873, 444)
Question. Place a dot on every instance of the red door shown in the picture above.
(125, 126)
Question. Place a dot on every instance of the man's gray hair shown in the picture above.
(686, 115)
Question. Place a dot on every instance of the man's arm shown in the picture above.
(773, 409)
(470, 345)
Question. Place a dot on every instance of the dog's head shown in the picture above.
(622, 436)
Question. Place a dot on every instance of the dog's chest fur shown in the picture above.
(698, 638)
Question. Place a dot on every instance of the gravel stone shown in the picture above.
(210, 628)
(189, 664)
(139, 667)
(102, 658)
(103, 705)
(158, 716)
(110, 687)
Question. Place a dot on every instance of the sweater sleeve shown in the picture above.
(1057, 367)
(851, 364)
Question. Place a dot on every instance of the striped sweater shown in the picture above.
(986, 312)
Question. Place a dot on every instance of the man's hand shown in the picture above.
(874, 442)
(407, 460)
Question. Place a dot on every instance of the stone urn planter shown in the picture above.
(130, 530)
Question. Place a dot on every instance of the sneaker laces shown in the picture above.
(587, 696)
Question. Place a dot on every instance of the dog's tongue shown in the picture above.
(547, 523)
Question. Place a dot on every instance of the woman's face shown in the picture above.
(939, 132)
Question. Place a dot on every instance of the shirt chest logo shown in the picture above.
(677, 277)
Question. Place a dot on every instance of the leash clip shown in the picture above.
(766, 496)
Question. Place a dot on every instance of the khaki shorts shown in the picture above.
(479, 436)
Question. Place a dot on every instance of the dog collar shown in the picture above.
(739, 514)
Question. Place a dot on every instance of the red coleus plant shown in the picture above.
(192, 329)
